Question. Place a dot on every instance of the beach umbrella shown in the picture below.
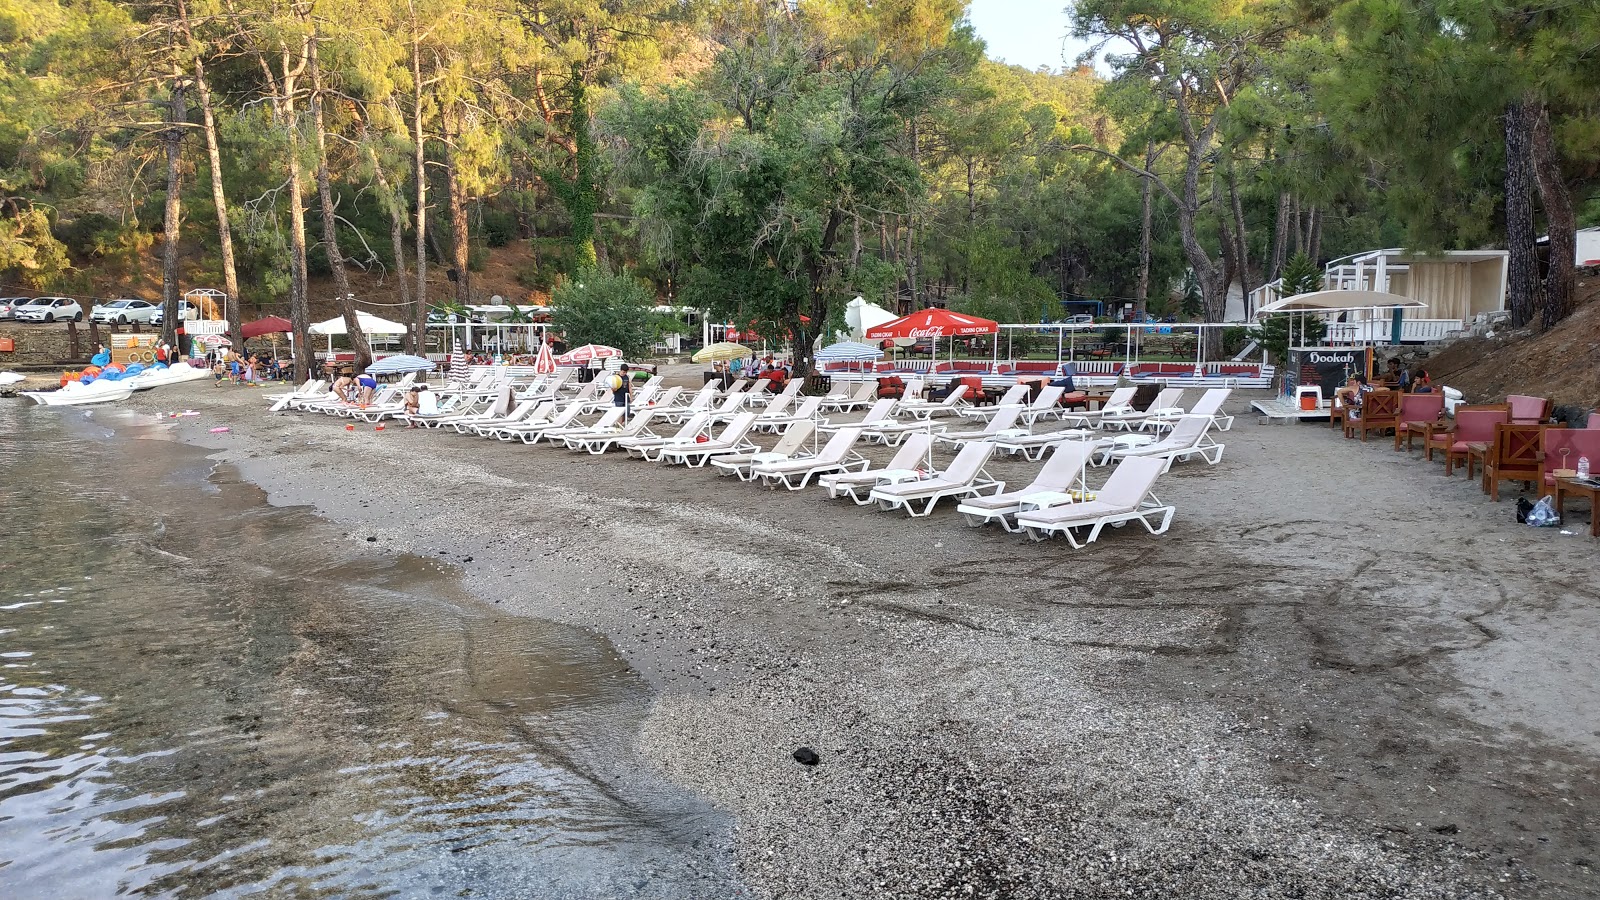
(848, 351)
(546, 363)
(213, 340)
(459, 372)
(586, 354)
(722, 352)
(932, 323)
(269, 325)
(396, 365)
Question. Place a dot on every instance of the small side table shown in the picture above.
(1572, 487)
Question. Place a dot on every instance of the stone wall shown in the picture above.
(54, 346)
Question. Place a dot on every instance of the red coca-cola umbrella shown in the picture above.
(933, 323)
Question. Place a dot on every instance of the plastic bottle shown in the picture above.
(1583, 467)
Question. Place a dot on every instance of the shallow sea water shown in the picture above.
(204, 695)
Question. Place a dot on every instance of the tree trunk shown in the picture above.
(1141, 292)
(330, 223)
(1523, 288)
(460, 250)
(1314, 234)
(299, 300)
(395, 205)
(176, 114)
(1241, 240)
(1280, 238)
(419, 320)
(219, 196)
(1560, 281)
(584, 196)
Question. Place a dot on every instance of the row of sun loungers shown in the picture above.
(716, 429)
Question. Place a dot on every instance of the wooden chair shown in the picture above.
(1380, 410)
(1561, 448)
(1418, 413)
(1336, 411)
(1526, 410)
(1474, 424)
(1515, 455)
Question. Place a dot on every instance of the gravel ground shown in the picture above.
(1340, 674)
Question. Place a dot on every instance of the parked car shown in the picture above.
(8, 306)
(123, 311)
(50, 309)
(186, 311)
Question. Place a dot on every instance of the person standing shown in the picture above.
(622, 392)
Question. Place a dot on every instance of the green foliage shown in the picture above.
(1301, 276)
(596, 306)
(1278, 331)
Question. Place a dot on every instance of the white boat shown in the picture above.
(7, 378)
(173, 374)
(76, 394)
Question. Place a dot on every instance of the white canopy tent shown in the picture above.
(1340, 301)
(370, 324)
(862, 316)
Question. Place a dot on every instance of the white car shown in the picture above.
(50, 309)
(186, 311)
(123, 311)
(8, 306)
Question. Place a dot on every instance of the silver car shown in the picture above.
(8, 306)
(123, 311)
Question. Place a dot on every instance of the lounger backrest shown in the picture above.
(778, 406)
(1120, 397)
(956, 395)
(913, 450)
(737, 429)
(795, 437)
(793, 387)
(913, 387)
(647, 392)
(1188, 432)
(521, 410)
(502, 403)
(967, 464)
(1210, 403)
(667, 398)
(1004, 419)
(730, 403)
(568, 413)
(703, 397)
(864, 391)
(1167, 399)
(1064, 467)
(1014, 395)
(610, 418)
(1048, 397)
(808, 409)
(542, 411)
(693, 426)
(1131, 482)
(838, 446)
(760, 385)
(879, 411)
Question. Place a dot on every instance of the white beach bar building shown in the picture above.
(1454, 287)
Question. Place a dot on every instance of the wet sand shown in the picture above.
(1340, 674)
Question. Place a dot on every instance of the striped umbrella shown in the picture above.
(395, 365)
(848, 351)
(587, 353)
(459, 373)
(546, 363)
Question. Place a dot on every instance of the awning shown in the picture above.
(370, 324)
(1339, 301)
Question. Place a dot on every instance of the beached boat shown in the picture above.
(173, 374)
(75, 394)
(10, 378)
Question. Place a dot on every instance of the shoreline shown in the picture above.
(1222, 709)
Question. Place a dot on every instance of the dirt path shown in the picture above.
(1339, 675)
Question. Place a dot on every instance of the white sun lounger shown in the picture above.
(1128, 418)
(531, 433)
(1046, 405)
(858, 485)
(1062, 473)
(694, 454)
(1126, 497)
(609, 419)
(1003, 423)
(792, 441)
(838, 454)
(1116, 404)
(597, 441)
(1209, 404)
(878, 412)
(1190, 437)
(542, 412)
(650, 447)
(1034, 446)
(861, 396)
(949, 406)
(807, 411)
(517, 414)
(1016, 395)
(892, 431)
(964, 478)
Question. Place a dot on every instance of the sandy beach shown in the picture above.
(1340, 674)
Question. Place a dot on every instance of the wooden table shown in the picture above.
(1565, 486)
(1477, 450)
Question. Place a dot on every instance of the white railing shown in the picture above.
(1380, 331)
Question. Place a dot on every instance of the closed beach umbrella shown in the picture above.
(397, 365)
(459, 371)
(586, 354)
(546, 363)
(848, 351)
(213, 340)
(722, 352)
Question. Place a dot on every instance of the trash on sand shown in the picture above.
(806, 756)
(222, 430)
